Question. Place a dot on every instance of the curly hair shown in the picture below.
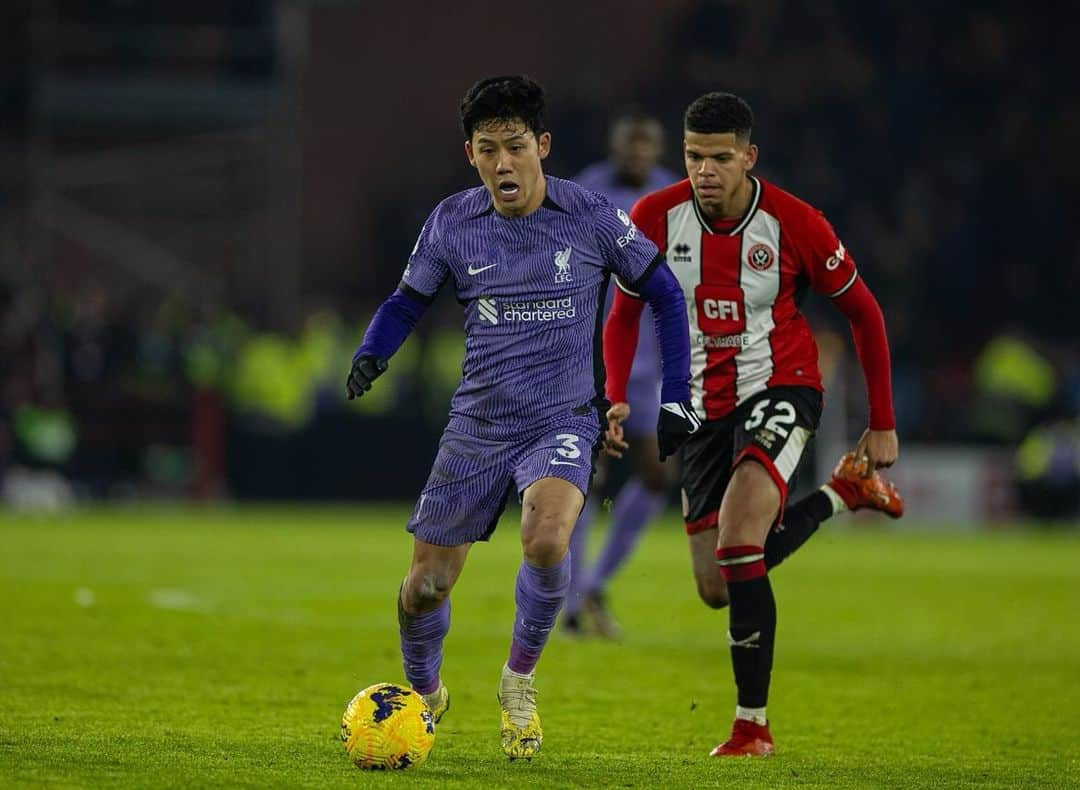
(504, 98)
(719, 113)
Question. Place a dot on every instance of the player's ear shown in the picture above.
(751, 156)
(543, 145)
(469, 153)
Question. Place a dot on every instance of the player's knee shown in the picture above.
(544, 550)
(713, 594)
(426, 591)
(545, 542)
(738, 532)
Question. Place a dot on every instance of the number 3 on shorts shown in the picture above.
(782, 413)
(569, 447)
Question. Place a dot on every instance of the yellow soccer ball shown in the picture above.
(387, 727)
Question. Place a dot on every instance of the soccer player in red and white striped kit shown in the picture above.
(745, 252)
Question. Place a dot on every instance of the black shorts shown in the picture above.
(773, 427)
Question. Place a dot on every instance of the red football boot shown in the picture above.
(860, 492)
(748, 739)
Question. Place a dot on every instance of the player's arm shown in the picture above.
(833, 272)
(391, 324)
(879, 443)
(661, 291)
(620, 344)
(621, 329)
(398, 315)
(677, 419)
(643, 276)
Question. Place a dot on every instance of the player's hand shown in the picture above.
(365, 369)
(614, 442)
(677, 421)
(879, 448)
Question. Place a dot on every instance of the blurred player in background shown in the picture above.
(529, 257)
(745, 251)
(636, 142)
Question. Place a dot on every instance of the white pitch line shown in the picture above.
(172, 598)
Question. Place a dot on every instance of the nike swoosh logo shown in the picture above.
(750, 641)
(472, 270)
(557, 462)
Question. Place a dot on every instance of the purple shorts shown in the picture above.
(470, 480)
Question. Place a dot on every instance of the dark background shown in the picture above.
(202, 203)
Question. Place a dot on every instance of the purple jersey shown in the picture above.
(643, 388)
(533, 288)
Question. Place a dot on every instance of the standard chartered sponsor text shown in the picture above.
(539, 310)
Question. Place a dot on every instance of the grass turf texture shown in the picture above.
(194, 648)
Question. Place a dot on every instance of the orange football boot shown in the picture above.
(860, 492)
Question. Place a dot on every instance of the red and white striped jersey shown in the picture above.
(743, 283)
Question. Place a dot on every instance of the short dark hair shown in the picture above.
(504, 98)
(719, 113)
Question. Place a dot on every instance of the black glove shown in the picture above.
(365, 369)
(677, 421)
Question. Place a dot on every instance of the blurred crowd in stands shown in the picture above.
(941, 146)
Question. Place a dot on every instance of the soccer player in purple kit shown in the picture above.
(632, 169)
(529, 257)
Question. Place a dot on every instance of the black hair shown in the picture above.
(719, 113)
(505, 98)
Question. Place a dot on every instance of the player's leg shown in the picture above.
(572, 621)
(553, 476)
(849, 488)
(750, 506)
(769, 443)
(711, 587)
(460, 504)
(550, 507)
(705, 470)
(798, 524)
(640, 500)
(424, 617)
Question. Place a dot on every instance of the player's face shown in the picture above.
(717, 164)
(635, 149)
(507, 155)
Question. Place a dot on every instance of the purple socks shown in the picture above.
(634, 508)
(540, 594)
(422, 638)
(579, 540)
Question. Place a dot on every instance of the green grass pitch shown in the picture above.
(218, 647)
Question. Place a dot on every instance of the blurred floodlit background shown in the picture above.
(202, 203)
